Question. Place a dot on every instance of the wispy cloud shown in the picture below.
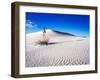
(31, 25)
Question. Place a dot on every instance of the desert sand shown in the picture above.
(64, 49)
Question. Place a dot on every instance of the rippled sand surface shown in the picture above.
(72, 51)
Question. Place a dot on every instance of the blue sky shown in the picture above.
(69, 23)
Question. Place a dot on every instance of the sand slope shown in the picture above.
(69, 50)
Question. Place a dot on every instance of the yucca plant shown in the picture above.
(44, 40)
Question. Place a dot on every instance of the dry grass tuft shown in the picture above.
(43, 42)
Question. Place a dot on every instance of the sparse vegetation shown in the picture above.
(44, 40)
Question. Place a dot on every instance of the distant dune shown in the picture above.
(67, 49)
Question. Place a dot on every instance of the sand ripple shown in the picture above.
(67, 53)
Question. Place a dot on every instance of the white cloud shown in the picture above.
(31, 25)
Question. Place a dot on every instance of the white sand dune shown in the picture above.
(68, 50)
